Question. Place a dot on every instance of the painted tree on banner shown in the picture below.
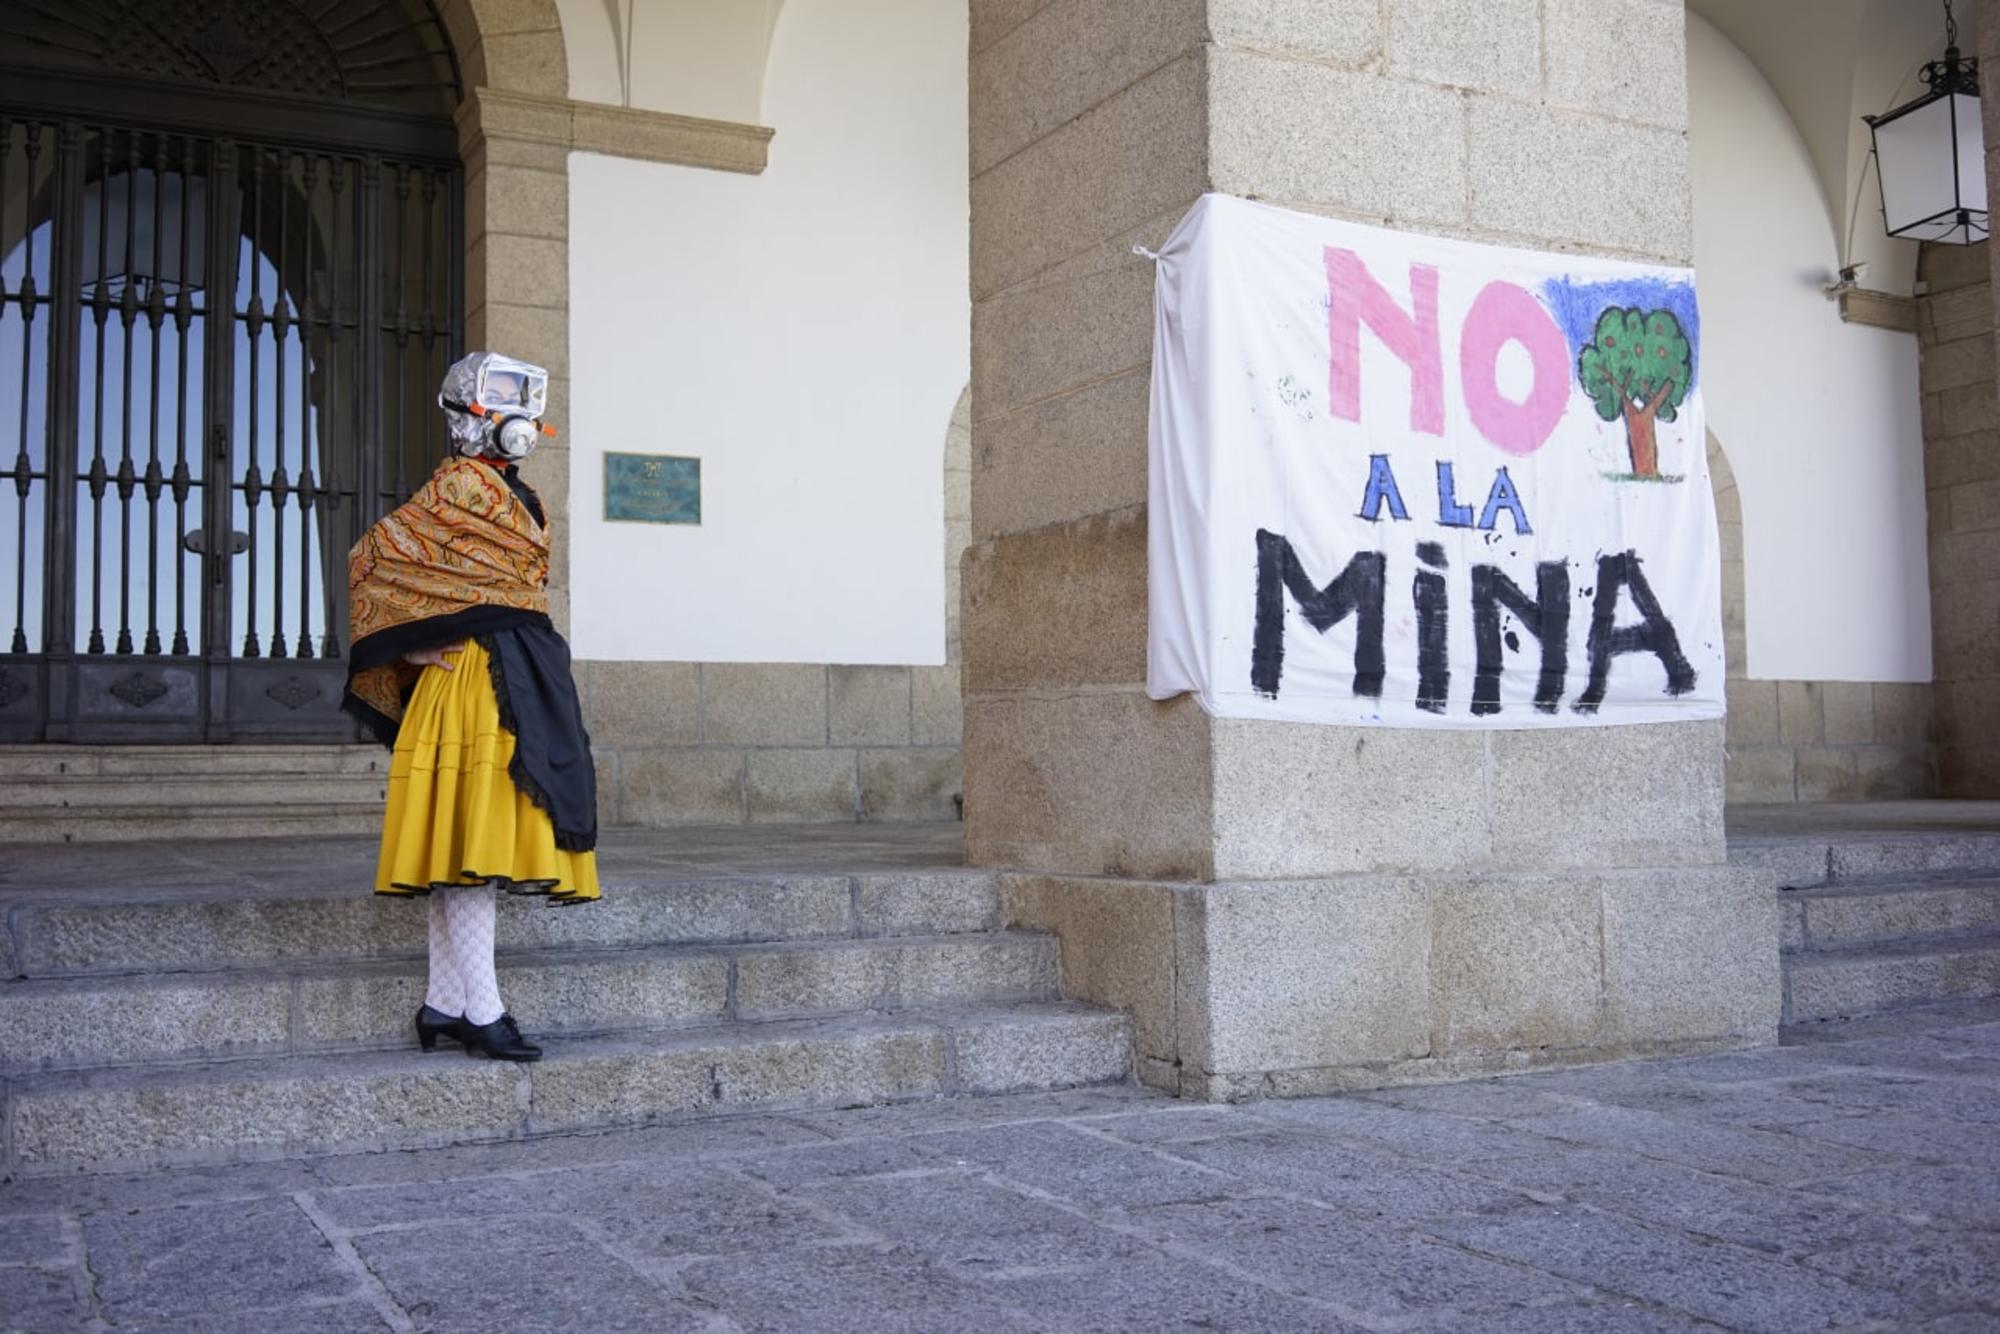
(1638, 366)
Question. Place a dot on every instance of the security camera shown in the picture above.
(1849, 279)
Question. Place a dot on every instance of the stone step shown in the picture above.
(210, 792)
(19, 763)
(77, 1023)
(1864, 980)
(156, 822)
(243, 1110)
(228, 925)
(1844, 915)
(1805, 863)
(111, 794)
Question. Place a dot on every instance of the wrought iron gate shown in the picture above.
(218, 359)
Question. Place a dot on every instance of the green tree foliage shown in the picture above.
(1637, 366)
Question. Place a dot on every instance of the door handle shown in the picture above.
(196, 540)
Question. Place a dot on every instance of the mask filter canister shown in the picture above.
(516, 438)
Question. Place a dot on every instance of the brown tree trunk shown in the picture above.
(1641, 440)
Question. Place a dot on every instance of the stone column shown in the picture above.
(516, 151)
(1289, 908)
(1959, 312)
(1962, 481)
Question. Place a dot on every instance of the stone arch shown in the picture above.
(510, 46)
(1729, 528)
(516, 159)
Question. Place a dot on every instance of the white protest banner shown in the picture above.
(1398, 480)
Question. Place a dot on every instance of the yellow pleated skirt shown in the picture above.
(455, 817)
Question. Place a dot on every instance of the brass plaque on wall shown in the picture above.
(652, 488)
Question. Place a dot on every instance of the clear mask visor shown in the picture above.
(509, 388)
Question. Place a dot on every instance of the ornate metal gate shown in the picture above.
(223, 318)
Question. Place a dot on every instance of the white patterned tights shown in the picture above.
(462, 977)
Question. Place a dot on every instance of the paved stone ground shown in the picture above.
(1849, 1181)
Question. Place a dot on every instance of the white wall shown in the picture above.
(805, 332)
(1819, 418)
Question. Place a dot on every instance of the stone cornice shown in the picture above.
(594, 127)
(1883, 310)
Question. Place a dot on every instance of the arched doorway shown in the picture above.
(230, 280)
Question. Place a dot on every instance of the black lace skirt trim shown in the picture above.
(553, 890)
(568, 840)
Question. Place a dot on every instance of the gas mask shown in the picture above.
(494, 405)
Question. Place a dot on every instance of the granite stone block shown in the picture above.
(681, 786)
(1312, 801)
(1062, 458)
(1515, 962)
(915, 904)
(1342, 32)
(198, 1260)
(1063, 605)
(1123, 161)
(1368, 1183)
(1118, 948)
(1625, 58)
(78, 1025)
(1476, 44)
(205, 933)
(1381, 1276)
(640, 704)
(994, 968)
(779, 982)
(138, 1124)
(1042, 1050)
(839, 1069)
(868, 706)
(1648, 795)
(1065, 60)
(40, 1299)
(915, 783)
(937, 713)
(1537, 174)
(577, 1285)
(1035, 795)
(1674, 1271)
(1757, 776)
(764, 704)
(792, 908)
(1690, 954)
(974, 1224)
(1310, 135)
(800, 786)
(1058, 336)
(1306, 973)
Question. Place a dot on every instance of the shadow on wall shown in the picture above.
(1798, 741)
(957, 513)
(1729, 526)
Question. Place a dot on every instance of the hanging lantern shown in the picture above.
(145, 227)
(1930, 154)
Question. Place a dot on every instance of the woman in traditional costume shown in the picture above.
(455, 664)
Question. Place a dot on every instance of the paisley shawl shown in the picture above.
(464, 556)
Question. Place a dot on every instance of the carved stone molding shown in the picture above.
(294, 692)
(139, 690)
(593, 127)
(1883, 310)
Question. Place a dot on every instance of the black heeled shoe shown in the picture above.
(501, 1040)
(433, 1024)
